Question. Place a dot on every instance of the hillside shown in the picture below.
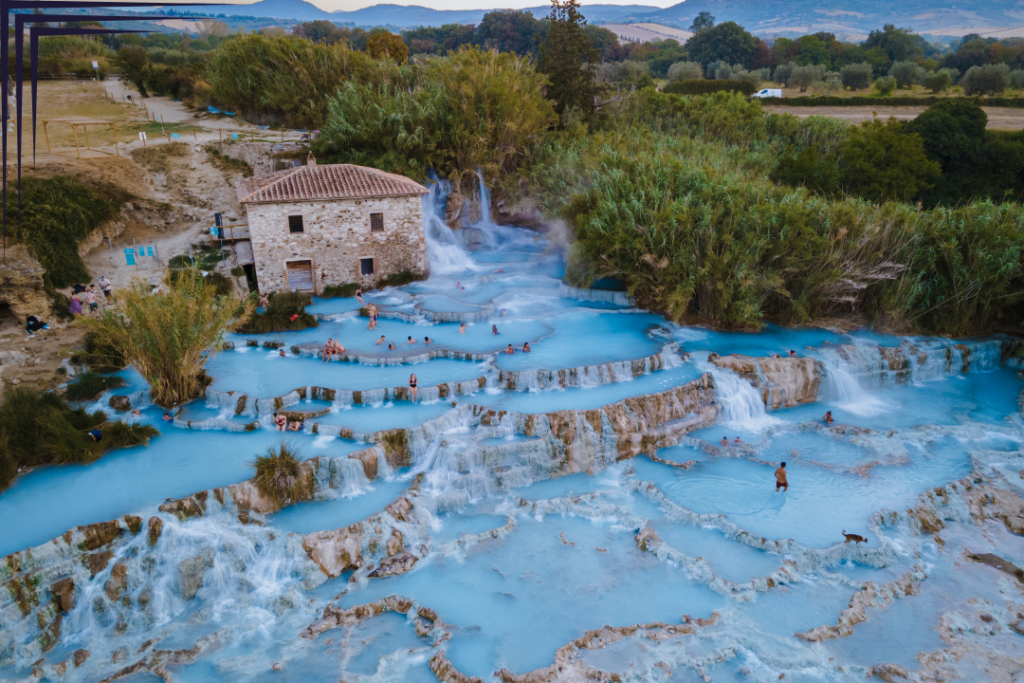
(848, 18)
(399, 15)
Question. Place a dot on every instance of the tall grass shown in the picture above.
(169, 335)
(279, 477)
(89, 386)
(681, 208)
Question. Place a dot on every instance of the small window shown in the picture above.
(366, 266)
(376, 222)
(295, 224)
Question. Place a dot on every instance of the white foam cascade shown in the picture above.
(843, 389)
(446, 254)
(739, 404)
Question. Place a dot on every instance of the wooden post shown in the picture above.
(117, 152)
(220, 134)
(194, 133)
(252, 136)
(123, 100)
(77, 150)
(86, 129)
(47, 134)
(282, 135)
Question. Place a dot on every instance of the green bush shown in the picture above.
(400, 279)
(89, 385)
(98, 355)
(56, 214)
(343, 291)
(41, 429)
(704, 87)
(279, 477)
(278, 315)
(862, 101)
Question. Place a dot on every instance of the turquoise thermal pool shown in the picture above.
(568, 514)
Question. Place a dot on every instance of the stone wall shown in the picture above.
(21, 284)
(336, 236)
(782, 382)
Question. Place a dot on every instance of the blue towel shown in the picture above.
(213, 110)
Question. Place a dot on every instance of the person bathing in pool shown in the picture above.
(413, 390)
(462, 328)
(410, 340)
(526, 347)
(380, 341)
(509, 351)
(827, 418)
(328, 349)
(781, 482)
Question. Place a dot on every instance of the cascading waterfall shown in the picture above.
(447, 256)
(842, 388)
(739, 404)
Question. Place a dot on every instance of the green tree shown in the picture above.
(898, 44)
(320, 31)
(568, 59)
(881, 163)
(906, 73)
(804, 77)
(885, 86)
(509, 30)
(856, 76)
(386, 45)
(702, 21)
(975, 162)
(668, 52)
(133, 61)
(813, 51)
(986, 80)
(728, 42)
(937, 81)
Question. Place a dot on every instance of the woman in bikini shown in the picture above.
(328, 349)
(280, 422)
(413, 390)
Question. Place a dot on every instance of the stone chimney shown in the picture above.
(311, 160)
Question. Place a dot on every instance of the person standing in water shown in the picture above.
(780, 479)
(413, 390)
(827, 418)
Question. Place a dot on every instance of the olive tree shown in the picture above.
(685, 71)
(938, 81)
(804, 77)
(906, 73)
(856, 76)
(986, 80)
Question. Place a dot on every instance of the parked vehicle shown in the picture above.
(768, 92)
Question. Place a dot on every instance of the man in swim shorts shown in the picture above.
(780, 479)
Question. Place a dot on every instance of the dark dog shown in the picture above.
(854, 537)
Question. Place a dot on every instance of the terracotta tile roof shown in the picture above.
(330, 181)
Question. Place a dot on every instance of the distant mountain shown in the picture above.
(399, 15)
(849, 18)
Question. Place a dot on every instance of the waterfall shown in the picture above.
(846, 393)
(446, 254)
(739, 404)
(353, 480)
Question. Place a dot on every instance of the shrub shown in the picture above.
(279, 476)
(343, 291)
(938, 81)
(168, 336)
(685, 71)
(56, 214)
(808, 168)
(125, 435)
(885, 86)
(89, 385)
(704, 87)
(804, 77)
(879, 162)
(400, 279)
(856, 76)
(986, 80)
(278, 315)
(99, 355)
(906, 73)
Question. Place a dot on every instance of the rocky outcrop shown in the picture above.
(446, 671)
(353, 547)
(783, 382)
(425, 621)
(191, 572)
(21, 284)
(871, 595)
(588, 375)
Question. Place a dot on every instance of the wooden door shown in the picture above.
(300, 276)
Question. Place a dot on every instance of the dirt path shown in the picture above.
(999, 118)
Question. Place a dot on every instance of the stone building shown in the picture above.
(313, 226)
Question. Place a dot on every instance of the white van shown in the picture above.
(769, 92)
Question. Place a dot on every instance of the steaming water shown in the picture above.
(515, 562)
